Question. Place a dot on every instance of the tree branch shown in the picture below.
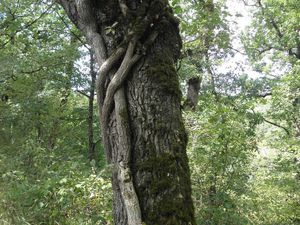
(29, 24)
(83, 93)
(273, 23)
(236, 50)
(260, 52)
(247, 4)
(277, 125)
(130, 198)
(73, 33)
(32, 71)
(113, 86)
(264, 95)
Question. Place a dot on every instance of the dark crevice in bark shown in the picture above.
(91, 143)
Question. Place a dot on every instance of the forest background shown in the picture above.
(241, 104)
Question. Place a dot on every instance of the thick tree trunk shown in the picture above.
(139, 102)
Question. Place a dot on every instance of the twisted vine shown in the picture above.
(115, 95)
(129, 60)
(141, 21)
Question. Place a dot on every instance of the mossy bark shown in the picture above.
(158, 161)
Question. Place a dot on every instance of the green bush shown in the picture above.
(39, 186)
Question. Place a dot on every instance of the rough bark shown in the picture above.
(136, 44)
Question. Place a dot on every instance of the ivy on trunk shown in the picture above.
(136, 44)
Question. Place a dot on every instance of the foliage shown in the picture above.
(57, 187)
(272, 43)
(273, 38)
(243, 135)
(221, 147)
(205, 35)
(45, 175)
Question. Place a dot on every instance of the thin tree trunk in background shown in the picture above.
(192, 93)
(136, 45)
(64, 98)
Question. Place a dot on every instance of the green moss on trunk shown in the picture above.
(163, 73)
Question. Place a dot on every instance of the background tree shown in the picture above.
(46, 177)
(206, 42)
(272, 43)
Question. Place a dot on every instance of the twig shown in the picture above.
(73, 33)
(277, 125)
(234, 49)
(83, 93)
(29, 24)
(264, 95)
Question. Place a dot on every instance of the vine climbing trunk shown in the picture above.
(136, 44)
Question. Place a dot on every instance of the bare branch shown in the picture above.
(32, 71)
(260, 52)
(277, 125)
(264, 95)
(126, 185)
(247, 4)
(73, 33)
(83, 93)
(113, 86)
(236, 50)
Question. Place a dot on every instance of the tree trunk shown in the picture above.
(136, 44)
(65, 92)
(192, 93)
(91, 150)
